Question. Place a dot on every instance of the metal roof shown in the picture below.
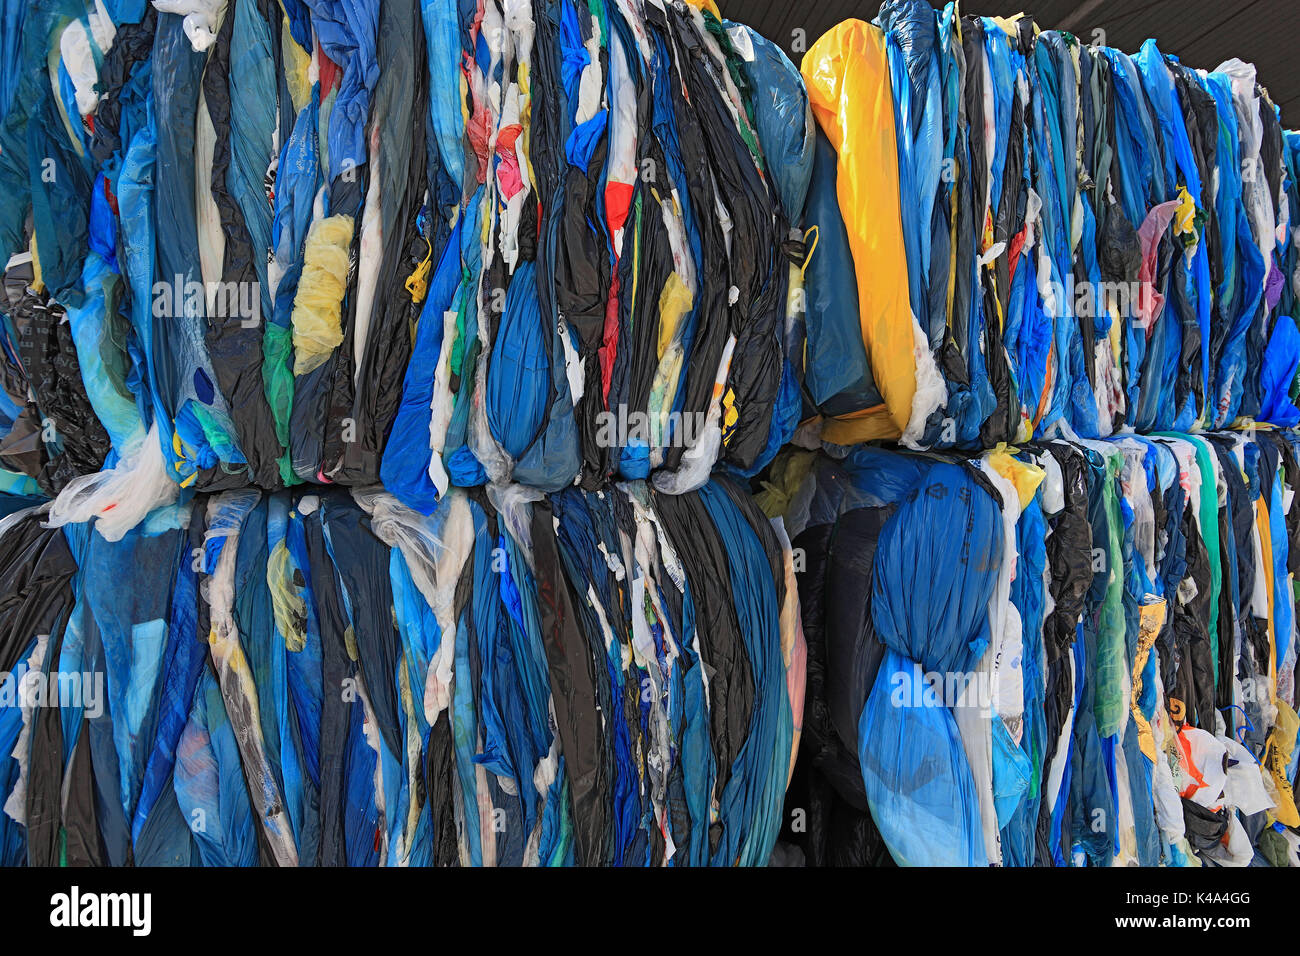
(1201, 33)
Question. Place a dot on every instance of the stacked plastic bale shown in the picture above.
(1105, 677)
(542, 251)
(625, 258)
(597, 678)
(1057, 239)
(429, 243)
(1042, 649)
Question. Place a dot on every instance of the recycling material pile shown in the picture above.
(432, 244)
(1090, 242)
(1078, 653)
(404, 406)
(1063, 650)
(260, 245)
(1071, 651)
(599, 678)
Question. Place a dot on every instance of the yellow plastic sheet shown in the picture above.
(1277, 757)
(707, 6)
(297, 64)
(674, 302)
(317, 308)
(847, 74)
(1025, 477)
(287, 603)
(1150, 621)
